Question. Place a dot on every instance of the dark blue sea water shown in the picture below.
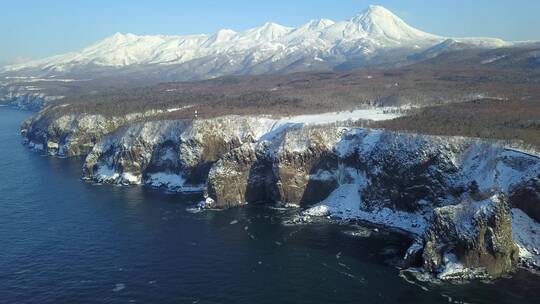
(63, 240)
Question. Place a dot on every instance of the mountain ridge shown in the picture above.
(317, 42)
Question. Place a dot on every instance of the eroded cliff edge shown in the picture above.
(469, 205)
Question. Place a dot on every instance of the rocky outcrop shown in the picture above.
(470, 239)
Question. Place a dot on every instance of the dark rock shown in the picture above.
(527, 198)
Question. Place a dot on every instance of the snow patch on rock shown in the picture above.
(346, 203)
(453, 270)
(526, 233)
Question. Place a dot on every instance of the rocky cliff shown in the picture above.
(172, 154)
(72, 134)
(449, 194)
(28, 101)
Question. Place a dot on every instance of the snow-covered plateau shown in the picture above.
(470, 206)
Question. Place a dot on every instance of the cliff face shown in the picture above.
(448, 193)
(173, 154)
(398, 171)
(30, 102)
(71, 134)
(28, 98)
(289, 165)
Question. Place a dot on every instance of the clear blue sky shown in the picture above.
(39, 28)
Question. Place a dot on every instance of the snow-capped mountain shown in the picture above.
(319, 44)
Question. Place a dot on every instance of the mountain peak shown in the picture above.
(377, 21)
(319, 23)
(378, 9)
(119, 38)
(377, 14)
(119, 35)
(272, 26)
(269, 31)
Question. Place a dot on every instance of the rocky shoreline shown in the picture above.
(470, 205)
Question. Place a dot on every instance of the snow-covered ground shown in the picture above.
(375, 114)
(526, 233)
(35, 79)
(490, 165)
(346, 203)
(179, 108)
(171, 181)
